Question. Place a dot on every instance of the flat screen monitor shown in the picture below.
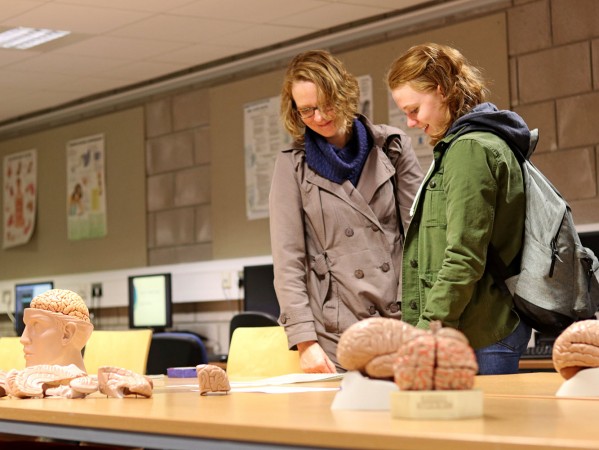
(150, 301)
(590, 239)
(259, 290)
(24, 293)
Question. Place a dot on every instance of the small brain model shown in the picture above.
(118, 382)
(577, 348)
(370, 345)
(437, 359)
(212, 378)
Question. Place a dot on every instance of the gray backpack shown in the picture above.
(557, 284)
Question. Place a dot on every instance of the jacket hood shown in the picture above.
(506, 124)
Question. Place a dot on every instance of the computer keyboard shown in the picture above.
(538, 352)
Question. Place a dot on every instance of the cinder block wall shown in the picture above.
(178, 178)
(554, 81)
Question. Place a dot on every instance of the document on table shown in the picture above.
(274, 385)
(290, 378)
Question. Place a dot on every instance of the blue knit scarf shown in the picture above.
(337, 164)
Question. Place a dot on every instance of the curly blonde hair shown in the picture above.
(336, 87)
(428, 66)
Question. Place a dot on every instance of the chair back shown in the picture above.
(175, 349)
(260, 352)
(251, 319)
(11, 353)
(127, 349)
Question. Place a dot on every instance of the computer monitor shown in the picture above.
(150, 301)
(24, 293)
(259, 290)
(590, 239)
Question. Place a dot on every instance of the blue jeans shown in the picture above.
(503, 356)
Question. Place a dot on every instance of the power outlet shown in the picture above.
(96, 290)
(225, 280)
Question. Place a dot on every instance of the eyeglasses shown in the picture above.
(307, 113)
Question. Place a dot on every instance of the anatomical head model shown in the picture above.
(57, 327)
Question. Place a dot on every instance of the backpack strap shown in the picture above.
(495, 265)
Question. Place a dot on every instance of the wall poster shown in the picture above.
(86, 193)
(264, 137)
(20, 197)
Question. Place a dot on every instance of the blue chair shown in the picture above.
(175, 349)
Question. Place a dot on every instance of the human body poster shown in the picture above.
(20, 197)
(86, 193)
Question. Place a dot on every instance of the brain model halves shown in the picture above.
(577, 348)
(212, 378)
(71, 382)
(435, 359)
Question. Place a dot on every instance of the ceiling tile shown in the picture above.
(179, 29)
(198, 54)
(79, 19)
(132, 5)
(67, 64)
(120, 48)
(143, 70)
(255, 11)
(331, 15)
(262, 35)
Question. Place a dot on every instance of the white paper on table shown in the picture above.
(291, 378)
(282, 389)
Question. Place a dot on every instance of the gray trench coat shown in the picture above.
(337, 248)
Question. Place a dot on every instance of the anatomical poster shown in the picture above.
(20, 197)
(86, 193)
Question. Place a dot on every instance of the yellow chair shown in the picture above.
(260, 352)
(127, 349)
(11, 353)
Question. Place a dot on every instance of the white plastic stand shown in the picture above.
(584, 384)
(360, 393)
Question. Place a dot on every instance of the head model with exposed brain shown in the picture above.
(57, 327)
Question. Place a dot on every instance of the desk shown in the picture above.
(536, 364)
(520, 413)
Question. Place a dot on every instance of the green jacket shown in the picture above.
(472, 195)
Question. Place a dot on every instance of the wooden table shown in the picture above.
(520, 413)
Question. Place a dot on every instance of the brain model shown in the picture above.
(369, 345)
(62, 301)
(577, 348)
(438, 359)
(212, 378)
(71, 382)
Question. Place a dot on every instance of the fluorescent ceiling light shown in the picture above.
(23, 38)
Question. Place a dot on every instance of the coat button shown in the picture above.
(283, 319)
(394, 307)
(433, 184)
(349, 232)
(375, 228)
(385, 267)
(372, 310)
(413, 305)
(359, 273)
(413, 263)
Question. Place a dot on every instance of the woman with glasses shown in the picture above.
(339, 204)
